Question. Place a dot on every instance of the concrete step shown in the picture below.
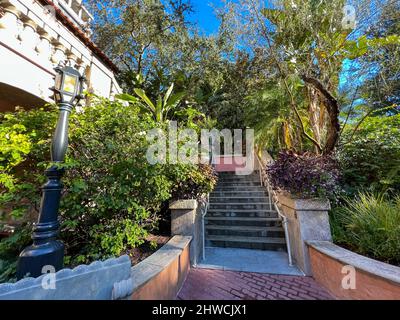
(238, 183)
(238, 198)
(223, 188)
(242, 228)
(244, 231)
(255, 221)
(250, 178)
(237, 211)
(250, 214)
(253, 179)
(261, 243)
(233, 206)
(247, 239)
(239, 194)
(255, 173)
(244, 219)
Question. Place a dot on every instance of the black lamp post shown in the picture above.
(46, 250)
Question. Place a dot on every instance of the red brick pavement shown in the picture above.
(207, 284)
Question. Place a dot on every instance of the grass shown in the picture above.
(369, 225)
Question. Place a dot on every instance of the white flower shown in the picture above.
(293, 60)
(143, 133)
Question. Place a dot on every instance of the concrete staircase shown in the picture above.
(240, 215)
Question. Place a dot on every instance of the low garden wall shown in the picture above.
(160, 276)
(374, 280)
(85, 282)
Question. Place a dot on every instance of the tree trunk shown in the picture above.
(332, 107)
(314, 114)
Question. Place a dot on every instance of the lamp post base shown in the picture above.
(33, 258)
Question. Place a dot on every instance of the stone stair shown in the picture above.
(241, 216)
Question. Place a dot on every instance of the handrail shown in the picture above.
(203, 215)
(273, 196)
(206, 205)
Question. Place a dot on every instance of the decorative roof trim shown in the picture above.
(81, 35)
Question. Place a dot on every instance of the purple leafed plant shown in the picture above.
(305, 175)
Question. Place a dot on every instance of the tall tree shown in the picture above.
(382, 87)
(139, 35)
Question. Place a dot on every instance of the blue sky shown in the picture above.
(204, 14)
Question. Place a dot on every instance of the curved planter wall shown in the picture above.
(374, 280)
(85, 282)
(160, 276)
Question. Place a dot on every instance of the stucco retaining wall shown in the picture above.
(160, 276)
(307, 220)
(186, 220)
(374, 280)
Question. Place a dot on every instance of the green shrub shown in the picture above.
(24, 150)
(112, 195)
(371, 159)
(369, 225)
(10, 248)
(193, 181)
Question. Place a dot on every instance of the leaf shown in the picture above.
(174, 100)
(159, 110)
(139, 78)
(168, 94)
(126, 97)
(273, 15)
(145, 98)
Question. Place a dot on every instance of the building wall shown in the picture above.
(33, 40)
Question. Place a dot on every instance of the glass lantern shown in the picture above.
(68, 85)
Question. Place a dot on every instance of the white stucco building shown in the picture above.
(35, 36)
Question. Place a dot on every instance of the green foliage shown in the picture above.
(192, 184)
(226, 103)
(14, 146)
(112, 196)
(369, 225)
(159, 109)
(141, 35)
(268, 111)
(24, 145)
(10, 248)
(381, 64)
(309, 38)
(371, 158)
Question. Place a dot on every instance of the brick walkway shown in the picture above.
(207, 284)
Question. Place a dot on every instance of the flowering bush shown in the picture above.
(305, 175)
